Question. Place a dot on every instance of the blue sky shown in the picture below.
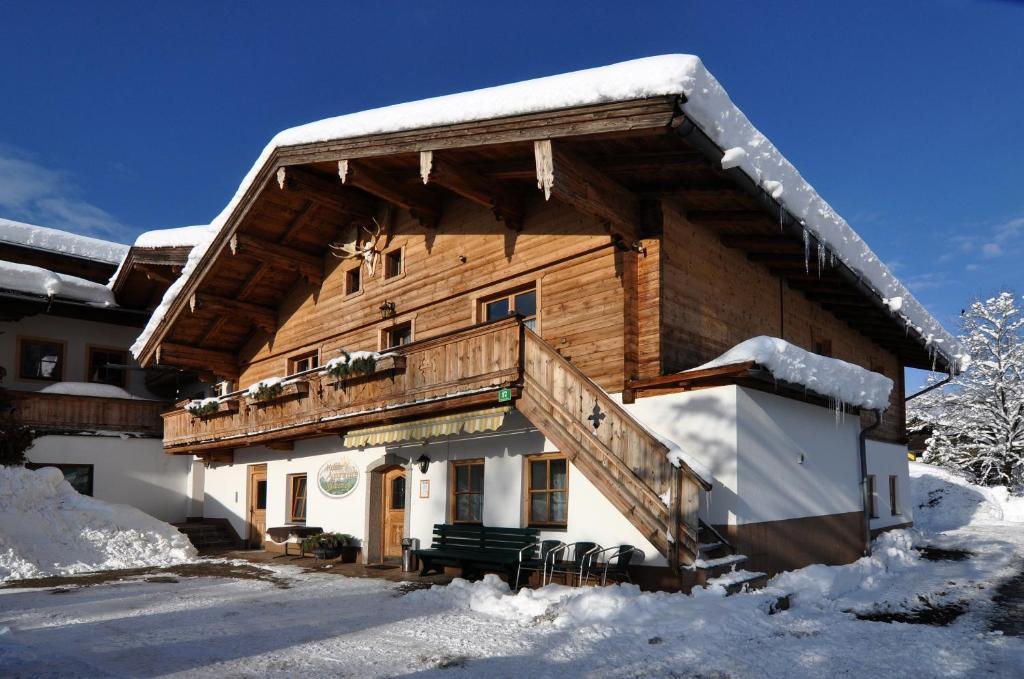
(122, 117)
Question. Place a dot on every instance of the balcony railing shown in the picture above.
(67, 413)
(442, 374)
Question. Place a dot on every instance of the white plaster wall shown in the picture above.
(134, 472)
(775, 433)
(77, 335)
(885, 459)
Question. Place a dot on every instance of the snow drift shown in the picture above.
(48, 528)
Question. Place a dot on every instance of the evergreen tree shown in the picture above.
(15, 437)
(976, 422)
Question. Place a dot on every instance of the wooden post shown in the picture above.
(630, 320)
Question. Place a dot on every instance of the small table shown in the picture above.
(291, 534)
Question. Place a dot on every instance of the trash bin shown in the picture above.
(409, 547)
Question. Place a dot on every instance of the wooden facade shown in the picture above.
(66, 413)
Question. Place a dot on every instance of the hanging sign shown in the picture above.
(338, 479)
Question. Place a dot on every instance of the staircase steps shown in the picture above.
(718, 563)
(207, 537)
(737, 581)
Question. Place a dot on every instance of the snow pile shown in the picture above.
(944, 500)
(35, 280)
(89, 389)
(182, 236)
(843, 382)
(48, 528)
(707, 104)
(54, 240)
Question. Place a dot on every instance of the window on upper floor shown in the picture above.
(100, 362)
(353, 281)
(522, 301)
(397, 335)
(303, 362)
(394, 263)
(40, 359)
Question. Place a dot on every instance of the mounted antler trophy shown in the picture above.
(348, 246)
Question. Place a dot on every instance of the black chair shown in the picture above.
(538, 565)
(582, 558)
(616, 564)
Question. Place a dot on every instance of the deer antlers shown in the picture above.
(367, 251)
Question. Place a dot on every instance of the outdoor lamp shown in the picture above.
(423, 462)
(387, 310)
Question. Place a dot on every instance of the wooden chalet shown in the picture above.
(547, 272)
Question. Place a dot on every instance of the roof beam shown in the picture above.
(473, 187)
(259, 316)
(278, 256)
(420, 202)
(222, 363)
(316, 188)
(571, 180)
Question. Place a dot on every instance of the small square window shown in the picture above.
(40, 359)
(298, 364)
(100, 362)
(352, 281)
(397, 336)
(393, 263)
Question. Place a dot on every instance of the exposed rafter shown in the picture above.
(320, 190)
(260, 316)
(435, 169)
(278, 256)
(421, 203)
(222, 363)
(564, 176)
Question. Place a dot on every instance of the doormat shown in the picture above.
(381, 566)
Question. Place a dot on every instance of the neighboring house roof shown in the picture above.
(34, 280)
(63, 242)
(138, 276)
(703, 101)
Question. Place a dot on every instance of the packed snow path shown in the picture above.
(325, 625)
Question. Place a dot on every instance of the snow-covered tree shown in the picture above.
(976, 422)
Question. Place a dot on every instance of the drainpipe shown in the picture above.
(927, 389)
(863, 442)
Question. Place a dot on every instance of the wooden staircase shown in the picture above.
(625, 461)
(718, 563)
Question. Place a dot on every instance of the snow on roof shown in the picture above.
(707, 105)
(89, 389)
(54, 240)
(35, 280)
(182, 236)
(844, 382)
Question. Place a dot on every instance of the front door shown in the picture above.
(394, 512)
(257, 504)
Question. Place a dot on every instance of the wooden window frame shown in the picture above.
(528, 491)
(453, 494)
(293, 360)
(894, 483)
(21, 339)
(89, 348)
(358, 270)
(510, 293)
(292, 518)
(384, 264)
(872, 503)
(385, 333)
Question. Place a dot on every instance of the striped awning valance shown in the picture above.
(466, 423)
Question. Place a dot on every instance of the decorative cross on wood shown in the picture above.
(596, 416)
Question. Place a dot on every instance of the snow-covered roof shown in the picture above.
(182, 236)
(63, 242)
(89, 389)
(843, 382)
(35, 280)
(707, 105)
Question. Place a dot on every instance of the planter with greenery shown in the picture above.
(331, 546)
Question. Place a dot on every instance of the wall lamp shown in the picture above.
(387, 310)
(423, 462)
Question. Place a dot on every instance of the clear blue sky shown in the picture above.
(117, 118)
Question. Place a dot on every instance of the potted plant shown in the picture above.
(332, 546)
(267, 390)
(203, 407)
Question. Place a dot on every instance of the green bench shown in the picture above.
(478, 549)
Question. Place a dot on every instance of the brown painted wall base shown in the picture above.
(875, 532)
(776, 546)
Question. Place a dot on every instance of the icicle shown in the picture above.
(807, 251)
(821, 258)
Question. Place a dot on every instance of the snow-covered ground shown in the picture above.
(326, 625)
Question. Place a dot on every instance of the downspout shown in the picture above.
(863, 443)
(929, 388)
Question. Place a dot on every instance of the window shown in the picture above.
(99, 359)
(223, 388)
(78, 475)
(823, 347)
(894, 504)
(398, 492)
(548, 494)
(398, 335)
(352, 281)
(261, 494)
(296, 498)
(523, 302)
(872, 508)
(393, 263)
(40, 359)
(304, 362)
(467, 479)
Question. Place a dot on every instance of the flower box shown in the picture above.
(277, 392)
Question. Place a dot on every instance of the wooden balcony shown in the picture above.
(69, 414)
(453, 372)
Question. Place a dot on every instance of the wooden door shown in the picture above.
(393, 512)
(257, 504)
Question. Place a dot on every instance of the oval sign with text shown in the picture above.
(338, 479)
